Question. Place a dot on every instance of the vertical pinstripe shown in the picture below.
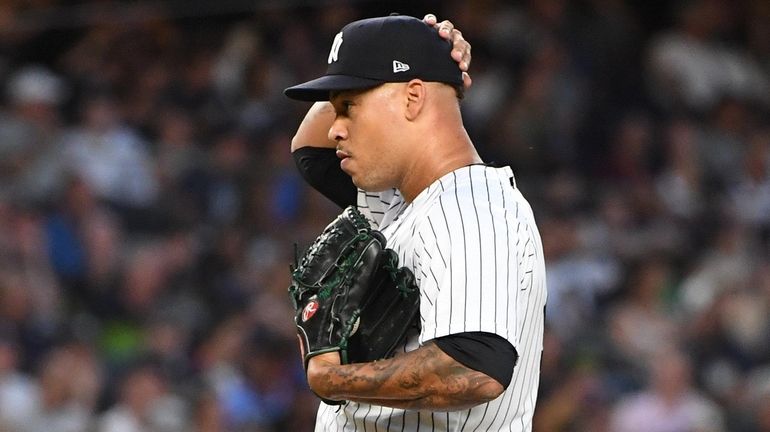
(494, 245)
(478, 231)
(449, 237)
(474, 275)
(464, 250)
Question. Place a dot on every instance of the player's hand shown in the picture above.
(461, 49)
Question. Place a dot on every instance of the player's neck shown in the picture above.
(440, 154)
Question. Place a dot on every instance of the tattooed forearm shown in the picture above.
(426, 378)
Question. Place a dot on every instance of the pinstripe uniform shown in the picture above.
(470, 239)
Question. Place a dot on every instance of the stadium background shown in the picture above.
(149, 203)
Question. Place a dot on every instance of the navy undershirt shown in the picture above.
(485, 352)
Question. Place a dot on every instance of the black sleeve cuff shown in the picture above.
(320, 167)
(485, 352)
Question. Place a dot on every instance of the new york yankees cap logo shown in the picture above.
(334, 52)
(370, 52)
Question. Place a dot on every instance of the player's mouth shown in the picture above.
(344, 159)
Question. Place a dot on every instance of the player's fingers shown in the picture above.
(467, 81)
(461, 50)
(445, 29)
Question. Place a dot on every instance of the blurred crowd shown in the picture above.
(149, 206)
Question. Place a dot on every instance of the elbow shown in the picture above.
(295, 143)
(483, 390)
(490, 390)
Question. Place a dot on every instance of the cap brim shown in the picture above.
(319, 88)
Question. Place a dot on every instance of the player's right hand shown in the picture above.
(461, 49)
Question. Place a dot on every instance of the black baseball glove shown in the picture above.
(350, 295)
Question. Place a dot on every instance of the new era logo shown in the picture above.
(399, 67)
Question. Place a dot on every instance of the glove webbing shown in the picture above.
(325, 290)
(402, 283)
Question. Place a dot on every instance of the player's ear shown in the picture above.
(415, 94)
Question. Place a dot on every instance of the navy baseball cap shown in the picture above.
(374, 51)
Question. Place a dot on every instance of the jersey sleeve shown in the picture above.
(471, 268)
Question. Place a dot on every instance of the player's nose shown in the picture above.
(338, 132)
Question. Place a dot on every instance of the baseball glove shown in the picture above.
(349, 294)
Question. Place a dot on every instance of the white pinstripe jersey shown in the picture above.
(470, 239)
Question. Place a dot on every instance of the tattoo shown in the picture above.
(426, 378)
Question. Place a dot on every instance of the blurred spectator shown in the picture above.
(238, 51)
(642, 323)
(18, 392)
(630, 223)
(749, 195)
(758, 401)
(669, 403)
(220, 187)
(109, 156)
(145, 405)
(30, 163)
(680, 182)
(65, 226)
(262, 394)
(30, 298)
(70, 384)
(692, 68)
(178, 158)
(631, 159)
(724, 142)
(723, 267)
(208, 415)
(577, 278)
(579, 404)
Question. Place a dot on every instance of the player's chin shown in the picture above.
(345, 164)
(363, 179)
(355, 173)
(361, 182)
(371, 186)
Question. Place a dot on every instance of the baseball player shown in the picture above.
(393, 128)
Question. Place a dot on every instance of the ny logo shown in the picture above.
(335, 48)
